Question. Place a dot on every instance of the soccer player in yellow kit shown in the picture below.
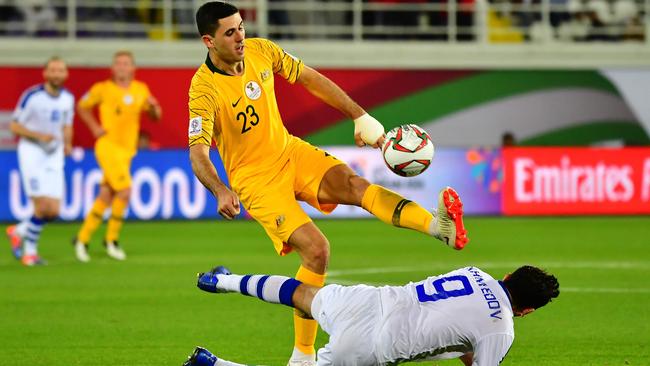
(232, 102)
(120, 101)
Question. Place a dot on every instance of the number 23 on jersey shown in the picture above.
(248, 118)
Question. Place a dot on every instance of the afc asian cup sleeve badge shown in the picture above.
(253, 90)
(195, 127)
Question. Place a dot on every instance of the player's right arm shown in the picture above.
(85, 109)
(21, 114)
(203, 109)
(227, 201)
(17, 129)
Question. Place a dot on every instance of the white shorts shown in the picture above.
(351, 315)
(41, 171)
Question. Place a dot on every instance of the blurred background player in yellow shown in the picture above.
(120, 101)
(43, 121)
(232, 101)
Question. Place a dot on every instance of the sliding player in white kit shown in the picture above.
(43, 120)
(463, 314)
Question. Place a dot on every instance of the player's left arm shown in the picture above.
(154, 109)
(152, 106)
(467, 358)
(367, 129)
(491, 349)
(67, 139)
(68, 130)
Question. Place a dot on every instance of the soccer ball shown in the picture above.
(407, 150)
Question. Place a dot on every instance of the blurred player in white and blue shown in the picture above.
(43, 121)
(463, 314)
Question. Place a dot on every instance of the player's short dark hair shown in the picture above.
(208, 15)
(531, 287)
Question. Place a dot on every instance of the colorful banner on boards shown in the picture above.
(515, 181)
(474, 173)
(460, 108)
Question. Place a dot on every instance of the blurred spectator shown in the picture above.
(611, 19)
(109, 22)
(39, 17)
(577, 27)
(280, 18)
(508, 139)
(392, 17)
(8, 13)
(465, 19)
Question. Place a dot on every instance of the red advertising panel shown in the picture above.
(568, 181)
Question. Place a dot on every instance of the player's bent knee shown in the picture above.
(52, 213)
(124, 194)
(317, 257)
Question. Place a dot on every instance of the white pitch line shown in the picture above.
(607, 290)
(486, 265)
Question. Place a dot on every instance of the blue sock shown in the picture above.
(273, 289)
(34, 228)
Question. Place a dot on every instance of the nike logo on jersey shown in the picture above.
(237, 102)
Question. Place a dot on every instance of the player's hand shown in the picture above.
(368, 131)
(67, 149)
(377, 145)
(153, 101)
(46, 138)
(227, 203)
(155, 111)
(98, 132)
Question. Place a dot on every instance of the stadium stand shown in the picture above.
(463, 20)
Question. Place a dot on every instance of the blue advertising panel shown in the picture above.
(164, 187)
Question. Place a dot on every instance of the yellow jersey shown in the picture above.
(119, 110)
(240, 113)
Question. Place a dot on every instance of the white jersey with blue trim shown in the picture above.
(446, 316)
(40, 111)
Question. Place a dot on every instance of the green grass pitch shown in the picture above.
(147, 310)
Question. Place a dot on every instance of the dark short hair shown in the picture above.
(208, 15)
(531, 287)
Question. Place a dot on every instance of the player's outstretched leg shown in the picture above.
(30, 255)
(446, 225)
(449, 225)
(15, 241)
(203, 357)
(273, 289)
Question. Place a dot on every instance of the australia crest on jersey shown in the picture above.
(253, 90)
(265, 75)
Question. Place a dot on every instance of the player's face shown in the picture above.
(228, 40)
(55, 73)
(123, 67)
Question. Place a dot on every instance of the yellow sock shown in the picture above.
(116, 220)
(305, 329)
(92, 221)
(396, 210)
